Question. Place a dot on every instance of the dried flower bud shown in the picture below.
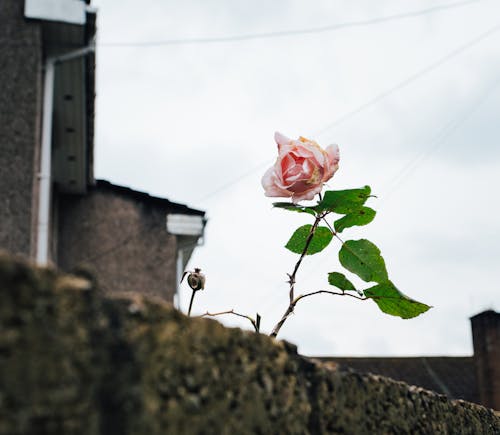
(196, 279)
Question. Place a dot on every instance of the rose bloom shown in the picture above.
(301, 168)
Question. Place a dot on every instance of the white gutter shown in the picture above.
(44, 200)
(185, 225)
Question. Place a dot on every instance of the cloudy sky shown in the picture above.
(187, 104)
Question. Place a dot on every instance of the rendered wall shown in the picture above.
(20, 117)
(72, 362)
(123, 242)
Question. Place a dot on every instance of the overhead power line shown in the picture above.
(371, 102)
(410, 79)
(440, 140)
(297, 32)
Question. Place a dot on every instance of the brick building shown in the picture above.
(52, 210)
(473, 378)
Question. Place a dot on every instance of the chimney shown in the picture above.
(486, 341)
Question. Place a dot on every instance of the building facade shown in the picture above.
(52, 210)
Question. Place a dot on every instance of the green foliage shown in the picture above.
(340, 281)
(391, 301)
(363, 258)
(362, 216)
(360, 257)
(343, 201)
(320, 240)
(294, 207)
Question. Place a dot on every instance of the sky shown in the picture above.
(187, 105)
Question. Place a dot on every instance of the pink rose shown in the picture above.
(301, 168)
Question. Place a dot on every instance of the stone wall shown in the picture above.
(20, 117)
(73, 362)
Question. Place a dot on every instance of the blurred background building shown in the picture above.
(52, 209)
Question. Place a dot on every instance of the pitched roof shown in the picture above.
(454, 377)
(164, 203)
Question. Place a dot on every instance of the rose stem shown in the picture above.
(291, 281)
(191, 302)
(297, 265)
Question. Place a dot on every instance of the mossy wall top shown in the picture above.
(74, 362)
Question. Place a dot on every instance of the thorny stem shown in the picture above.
(255, 323)
(293, 300)
(291, 276)
(191, 302)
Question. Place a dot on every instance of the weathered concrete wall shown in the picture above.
(123, 241)
(72, 362)
(20, 108)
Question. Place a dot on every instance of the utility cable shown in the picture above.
(343, 118)
(413, 77)
(440, 140)
(426, 70)
(410, 79)
(297, 32)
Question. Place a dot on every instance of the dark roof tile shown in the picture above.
(169, 206)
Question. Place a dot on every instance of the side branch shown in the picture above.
(291, 307)
(335, 234)
(361, 298)
(255, 322)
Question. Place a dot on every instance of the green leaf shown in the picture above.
(294, 207)
(322, 237)
(391, 301)
(363, 258)
(340, 281)
(360, 217)
(344, 201)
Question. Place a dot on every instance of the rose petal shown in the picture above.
(270, 183)
(286, 163)
(333, 158)
(281, 140)
(307, 195)
(312, 150)
(333, 154)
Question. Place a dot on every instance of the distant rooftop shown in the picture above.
(452, 376)
(147, 198)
